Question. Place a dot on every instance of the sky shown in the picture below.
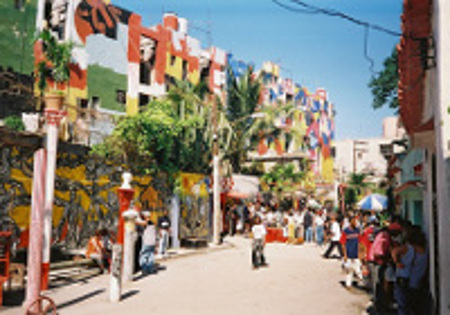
(317, 51)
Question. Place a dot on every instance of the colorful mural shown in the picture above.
(138, 63)
(309, 129)
(85, 194)
(195, 218)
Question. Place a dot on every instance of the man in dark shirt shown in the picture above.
(164, 228)
(308, 223)
(350, 241)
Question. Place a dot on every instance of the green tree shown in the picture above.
(356, 186)
(170, 135)
(384, 85)
(14, 123)
(283, 178)
(242, 101)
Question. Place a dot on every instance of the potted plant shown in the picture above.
(54, 67)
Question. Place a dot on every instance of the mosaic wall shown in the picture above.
(85, 194)
(195, 218)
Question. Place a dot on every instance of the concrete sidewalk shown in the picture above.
(98, 284)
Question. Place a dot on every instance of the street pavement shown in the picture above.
(297, 281)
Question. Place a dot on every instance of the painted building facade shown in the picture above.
(424, 97)
(118, 63)
(308, 130)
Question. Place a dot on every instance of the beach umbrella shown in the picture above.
(375, 202)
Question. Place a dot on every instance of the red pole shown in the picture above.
(125, 197)
(36, 229)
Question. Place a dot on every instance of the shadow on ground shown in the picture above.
(80, 299)
(156, 270)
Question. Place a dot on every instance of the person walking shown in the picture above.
(335, 232)
(259, 235)
(308, 226)
(146, 257)
(319, 223)
(164, 225)
(352, 263)
(298, 218)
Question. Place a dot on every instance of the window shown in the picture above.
(19, 4)
(173, 59)
(95, 102)
(121, 96)
(184, 70)
(143, 100)
(82, 103)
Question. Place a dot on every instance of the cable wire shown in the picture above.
(335, 13)
(366, 50)
(287, 7)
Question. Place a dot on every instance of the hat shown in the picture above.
(146, 214)
(394, 227)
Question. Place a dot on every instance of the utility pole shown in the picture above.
(216, 178)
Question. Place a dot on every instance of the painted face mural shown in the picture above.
(97, 17)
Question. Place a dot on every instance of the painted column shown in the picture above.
(134, 40)
(69, 20)
(175, 213)
(36, 229)
(130, 217)
(40, 15)
(115, 282)
(53, 118)
(442, 130)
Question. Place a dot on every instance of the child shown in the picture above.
(259, 234)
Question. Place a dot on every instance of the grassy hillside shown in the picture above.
(17, 29)
(103, 83)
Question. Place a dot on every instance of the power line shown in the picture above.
(287, 7)
(311, 9)
(336, 13)
(366, 49)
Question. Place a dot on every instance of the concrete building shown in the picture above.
(365, 155)
(119, 65)
(424, 68)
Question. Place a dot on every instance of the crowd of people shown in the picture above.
(385, 254)
(382, 252)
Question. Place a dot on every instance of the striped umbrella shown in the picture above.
(375, 202)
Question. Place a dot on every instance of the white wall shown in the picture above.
(392, 128)
(442, 129)
(366, 153)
